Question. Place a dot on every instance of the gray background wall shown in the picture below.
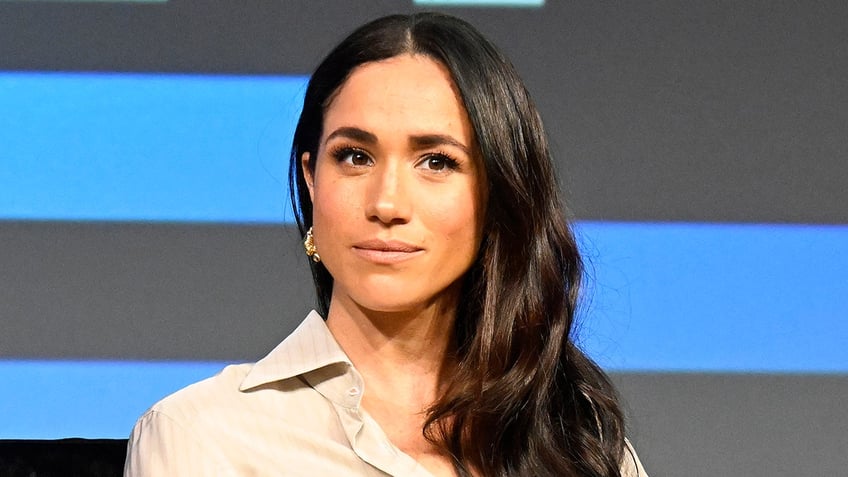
(658, 110)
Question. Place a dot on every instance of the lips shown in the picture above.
(386, 251)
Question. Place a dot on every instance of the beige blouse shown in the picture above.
(296, 412)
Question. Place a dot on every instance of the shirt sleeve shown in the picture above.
(630, 464)
(161, 446)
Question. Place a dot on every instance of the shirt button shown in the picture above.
(354, 391)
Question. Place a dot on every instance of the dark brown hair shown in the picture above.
(523, 399)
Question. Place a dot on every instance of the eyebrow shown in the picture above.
(422, 141)
(426, 141)
(352, 133)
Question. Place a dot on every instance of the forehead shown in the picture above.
(411, 92)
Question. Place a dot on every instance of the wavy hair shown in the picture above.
(523, 399)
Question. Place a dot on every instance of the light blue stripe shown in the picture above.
(146, 147)
(710, 297)
(51, 400)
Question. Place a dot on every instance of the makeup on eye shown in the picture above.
(431, 146)
(439, 162)
(351, 155)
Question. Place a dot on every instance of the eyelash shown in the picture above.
(450, 163)
(340, 153)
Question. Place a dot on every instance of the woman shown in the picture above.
(448, 278)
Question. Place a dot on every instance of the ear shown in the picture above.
(308, 175)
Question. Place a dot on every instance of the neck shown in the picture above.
(402, 354)
(402, 357)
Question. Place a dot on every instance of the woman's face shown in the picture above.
(398, 188)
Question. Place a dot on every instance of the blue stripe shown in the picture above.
(146, 147)
(51, 400)
(712, 297)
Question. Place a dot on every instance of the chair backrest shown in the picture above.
(62, 457)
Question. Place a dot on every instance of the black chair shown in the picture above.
(62, 458)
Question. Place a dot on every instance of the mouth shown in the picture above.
(386, 252)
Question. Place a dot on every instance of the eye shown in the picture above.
(352, 156)
(439, 163)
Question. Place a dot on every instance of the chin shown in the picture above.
(398, 300)
(390, 299)
(394, 294)
(381, 305)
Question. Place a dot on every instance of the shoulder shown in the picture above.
(204, 397)
(206, 428)
(631, 466)
(173, 436)
(240, 419)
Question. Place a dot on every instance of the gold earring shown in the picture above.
(309, 245)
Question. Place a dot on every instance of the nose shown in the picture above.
(388, 196)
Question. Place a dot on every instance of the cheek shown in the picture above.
(457, 217)
(333, 213)
(333, 200)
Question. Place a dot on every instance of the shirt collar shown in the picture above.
(310, 347)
